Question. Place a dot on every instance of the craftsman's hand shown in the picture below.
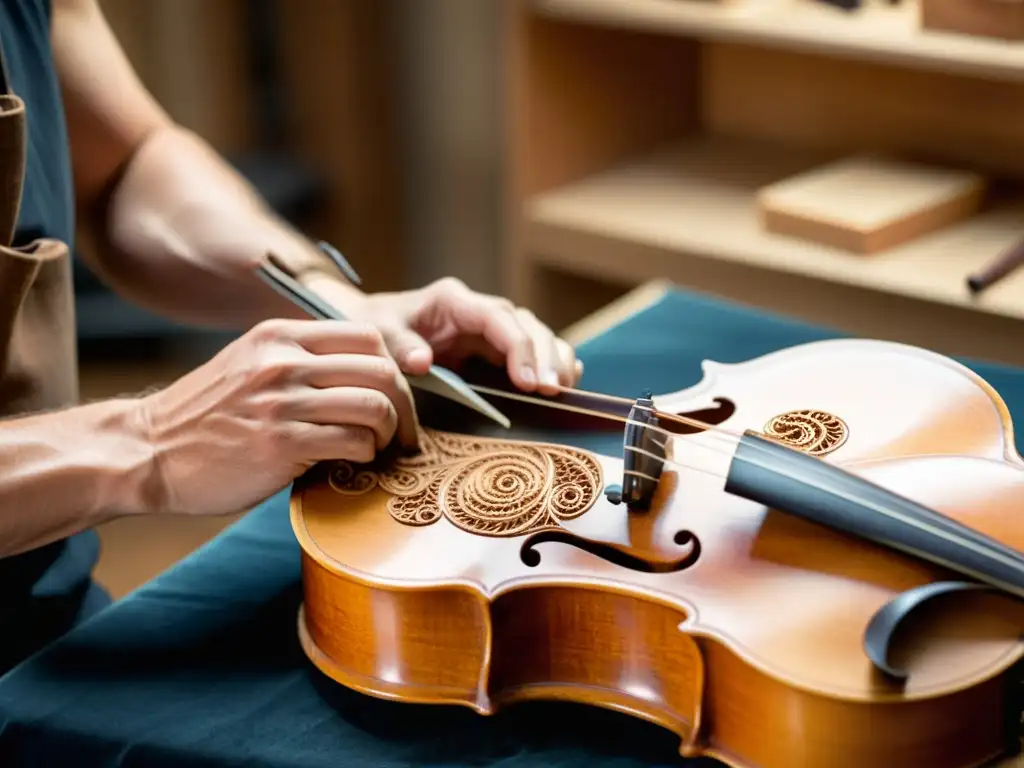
(446, 322)
(271, 404)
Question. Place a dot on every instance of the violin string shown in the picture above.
(730, 436)
(722, 450)
(687, 420)
(710, 429)
(720, 432)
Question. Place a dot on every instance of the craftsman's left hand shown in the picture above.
(446, 322)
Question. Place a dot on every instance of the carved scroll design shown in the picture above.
(486, 487)
(815, 432)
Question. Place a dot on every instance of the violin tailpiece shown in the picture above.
(486, 487)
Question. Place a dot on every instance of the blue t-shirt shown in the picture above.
(48, 590)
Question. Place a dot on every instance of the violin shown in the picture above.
(812, 558)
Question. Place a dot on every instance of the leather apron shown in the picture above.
(38, 351)
(44, 590)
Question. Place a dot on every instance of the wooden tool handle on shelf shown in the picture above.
(1004, 264)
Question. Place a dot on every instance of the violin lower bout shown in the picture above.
(626, 652)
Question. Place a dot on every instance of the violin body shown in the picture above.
(485, 571)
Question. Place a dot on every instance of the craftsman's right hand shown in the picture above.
(271, 404)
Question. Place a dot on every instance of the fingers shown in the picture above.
(410, 350)
(536, 359)
(347, 373)
(300, 357)
(543, 348)
(324, 337)
(554, 358)
(495, 320)
(331, 442)
(504, 329)
(570, 368)
(344, 407)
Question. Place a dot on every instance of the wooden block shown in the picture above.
(866, 204)
(1001, 19)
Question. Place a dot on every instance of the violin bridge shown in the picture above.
(643, 455)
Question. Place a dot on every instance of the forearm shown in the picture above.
(68, 471)
(182, 231)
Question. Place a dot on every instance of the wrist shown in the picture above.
(353, 303)
(123, 458)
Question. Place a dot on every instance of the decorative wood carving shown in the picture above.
(487, 487)
(815, 432)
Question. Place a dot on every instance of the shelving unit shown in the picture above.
(880, 32)
(642, 130)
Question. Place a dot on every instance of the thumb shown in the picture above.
(410, 350)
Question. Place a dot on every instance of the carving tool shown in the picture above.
(438, 380)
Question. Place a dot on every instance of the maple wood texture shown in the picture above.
(754, 654)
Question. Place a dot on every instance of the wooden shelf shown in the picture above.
(595, 87)
(674, 212)
(878, 32)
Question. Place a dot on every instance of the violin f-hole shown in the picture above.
(616, 554)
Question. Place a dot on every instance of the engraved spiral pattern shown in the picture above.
(415, 509)
(406, 482)
(576, 485)
(346, 479)
(486, 487)
(498, 494)
(815, 432)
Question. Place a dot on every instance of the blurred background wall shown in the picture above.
(384, 118)
(451, 95)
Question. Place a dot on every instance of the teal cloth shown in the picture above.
(201, 667)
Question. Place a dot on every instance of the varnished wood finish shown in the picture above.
(754, 655)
